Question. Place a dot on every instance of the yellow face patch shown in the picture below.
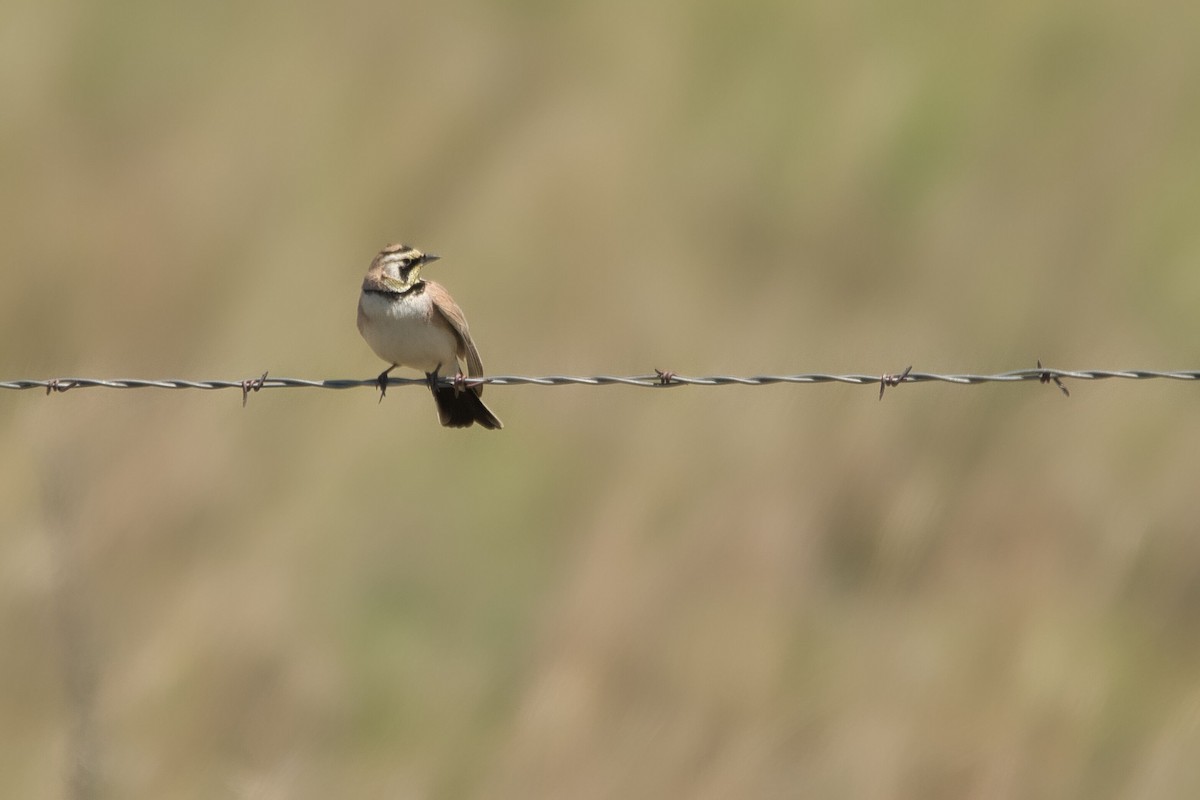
(401, 267)
(404, 279)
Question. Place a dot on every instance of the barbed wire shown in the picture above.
(658, 380)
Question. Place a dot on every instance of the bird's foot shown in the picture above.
(382, 381)
(432, 378)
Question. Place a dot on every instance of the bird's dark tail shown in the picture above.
(462, 408)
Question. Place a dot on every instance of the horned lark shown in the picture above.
(410, 322)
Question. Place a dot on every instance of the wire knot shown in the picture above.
(887, 380)
(1048, 376)
(252, 385)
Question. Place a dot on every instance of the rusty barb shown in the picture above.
(886, 380)
(657, 379)
(253, 385)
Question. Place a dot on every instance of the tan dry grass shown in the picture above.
(785, 591)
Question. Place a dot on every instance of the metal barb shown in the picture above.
(665, 378)
(887, 380)
(252, 385)
(1048, 376)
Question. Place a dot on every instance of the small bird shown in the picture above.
(410, 322)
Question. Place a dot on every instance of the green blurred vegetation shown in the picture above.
(775, 592)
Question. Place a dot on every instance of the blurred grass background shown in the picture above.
(775, 592)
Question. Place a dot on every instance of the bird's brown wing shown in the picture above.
(444, 304)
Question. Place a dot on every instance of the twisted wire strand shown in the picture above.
(657, 380)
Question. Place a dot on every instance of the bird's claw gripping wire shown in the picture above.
(382, 382)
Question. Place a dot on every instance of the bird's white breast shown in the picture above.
(408, 332)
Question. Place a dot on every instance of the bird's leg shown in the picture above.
(381, 381)
(431, 378)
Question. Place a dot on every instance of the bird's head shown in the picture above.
(399, 266)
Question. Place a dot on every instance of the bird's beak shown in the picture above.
(429, 258)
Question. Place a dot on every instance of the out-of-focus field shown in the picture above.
(784, 591)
